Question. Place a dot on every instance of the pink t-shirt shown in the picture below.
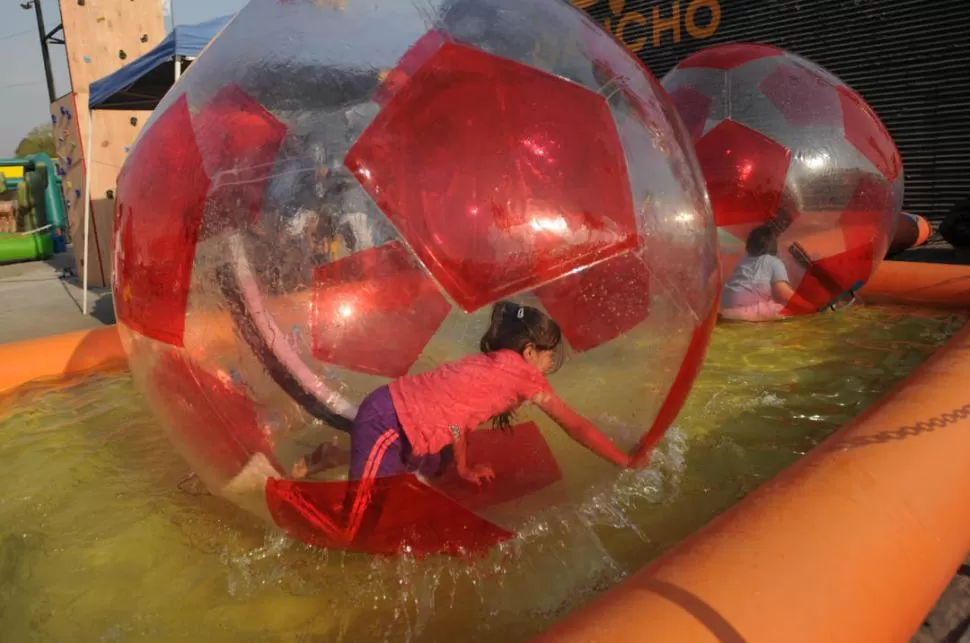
(464, 393)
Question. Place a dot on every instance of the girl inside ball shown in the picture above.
(759, 288)
(419, 423)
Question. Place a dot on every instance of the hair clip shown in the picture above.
(521, 312)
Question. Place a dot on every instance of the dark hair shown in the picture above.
(762, 241)
(514, 327)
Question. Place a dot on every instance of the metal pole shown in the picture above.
(39, 12)
(178, 59)
(89, 170)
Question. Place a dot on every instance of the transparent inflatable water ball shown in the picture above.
(336, 194)
(785, 143)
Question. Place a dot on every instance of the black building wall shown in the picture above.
(910, 60)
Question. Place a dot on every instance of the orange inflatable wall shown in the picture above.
(60, 356)
(855, 542)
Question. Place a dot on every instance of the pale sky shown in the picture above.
(23, 91)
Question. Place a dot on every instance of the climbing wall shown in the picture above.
(70, 168)
(101, 36)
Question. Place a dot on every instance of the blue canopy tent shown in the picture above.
(140, 85)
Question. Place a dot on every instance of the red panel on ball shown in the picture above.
(405, 513)
(500, 176)
(864, 219)
(374, 311)
(677, 395)
(522, 462)
(745, 173)
(810, 296)
(830, 277)
(161, 192)
(599, 303)
(867, 133)
(728, 56)
(240, 141)
(802, 97)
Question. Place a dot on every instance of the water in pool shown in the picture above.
(104, 537)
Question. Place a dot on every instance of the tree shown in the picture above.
(40, 139)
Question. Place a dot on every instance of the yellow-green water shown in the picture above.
(103, 539)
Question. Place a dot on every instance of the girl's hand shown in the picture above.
(581, 429)
(477, 475)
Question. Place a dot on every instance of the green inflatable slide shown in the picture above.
(34, 190)
(25, 247)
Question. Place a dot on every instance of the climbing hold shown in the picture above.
(53, 119)
(87, 60)
(80, 3)
(77, 193)
(69, 115)
(144, 37)
(100, 19)
(70, 161)
(70, 186)
(63, 111)
(127, 148)
(122, 54)
(110, 194)
(133, 121)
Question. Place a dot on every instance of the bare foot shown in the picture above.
(299, 470)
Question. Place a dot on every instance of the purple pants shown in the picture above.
(379, 447)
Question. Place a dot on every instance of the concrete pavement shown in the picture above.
(42, 298)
